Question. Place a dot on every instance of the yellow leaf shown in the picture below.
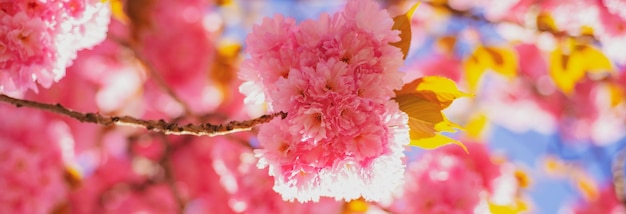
(595, 60)
(476, 126)
(554, 166)
(473, 71)
(433, 88)
(567, 69)
(224, 2)
(447, 125)
(617, 94)
(446, 44)
(518, 207)
(426, 122)
(139, 15)
(423, 100)
(503, 60)
(117, 10)
(499, 59)
(564, 73)
(435, 142)
(403, 24)
(545, 22)
(224, 65)
(423, 115)
(523, 180)
(587, 187)
(72, 177)
(586, 30)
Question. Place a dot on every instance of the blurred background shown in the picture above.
(546, 127)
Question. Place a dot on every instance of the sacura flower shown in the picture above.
(39, 39)
(31, 169)
(342, 137)
(251, 188)
(183, 66)
(448, 180)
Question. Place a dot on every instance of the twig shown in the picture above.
(162, 84)
(382, 207)
(205, 129)
(165, 163)
(152, 72)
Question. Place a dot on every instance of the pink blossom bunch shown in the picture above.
(251, 188)
(448, 180)
(184, 66)
(31, 169)
(39, 39)
(334, 77)
(114, 187)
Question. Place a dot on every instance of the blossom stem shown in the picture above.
(161, 83)
(153, 73)
(165, 163)
(204, 129)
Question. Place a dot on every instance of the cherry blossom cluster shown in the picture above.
(448, 180)
(334, 77)
(39, 39)
(31, 169)
(183, 66)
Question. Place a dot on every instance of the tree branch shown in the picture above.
(161, 82)
(166, 164)
(152, 72)
(205, 129)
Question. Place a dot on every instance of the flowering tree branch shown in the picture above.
(205, 129)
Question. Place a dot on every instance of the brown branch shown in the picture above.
(161, 82)
(170, 179)
(132, 47)
(205, 129)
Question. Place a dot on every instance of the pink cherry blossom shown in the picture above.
(334, 77)
(441, 184)
(448, 180)
(39, 39)
(31, 169)
(184, 67)
(202, 186)
(251, 188)
(115, 187)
